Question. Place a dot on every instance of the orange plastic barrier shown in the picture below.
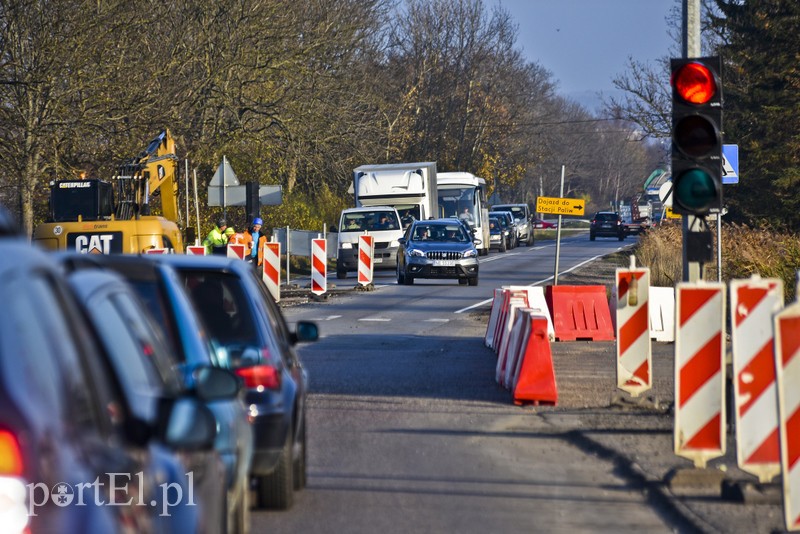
(580, 312)
(535, 382)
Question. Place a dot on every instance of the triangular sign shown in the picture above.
(224, 170)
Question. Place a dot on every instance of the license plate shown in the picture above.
(444, 263)
(377, 260)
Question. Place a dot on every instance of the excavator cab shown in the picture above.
(87, 200)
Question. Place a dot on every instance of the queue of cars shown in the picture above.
(144, 393)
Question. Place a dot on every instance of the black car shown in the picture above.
(245, 322)
(508, 225)
(607, 224)
(439, 248)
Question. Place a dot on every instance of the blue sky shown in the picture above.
(585, 43)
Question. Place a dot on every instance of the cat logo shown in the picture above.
(96, 243)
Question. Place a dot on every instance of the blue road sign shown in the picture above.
(730, 164)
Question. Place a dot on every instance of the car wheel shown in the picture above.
(408, 280)
(503, 246)
(622, 237)
(401, 277)
(530, 239)
(300, 475)
(341, 275)
(591, 237)
(473, 281)
(276, 490)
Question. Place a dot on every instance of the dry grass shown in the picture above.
(745, 251)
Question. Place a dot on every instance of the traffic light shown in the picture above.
(696, 135)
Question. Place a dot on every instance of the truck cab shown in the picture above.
(381, 222)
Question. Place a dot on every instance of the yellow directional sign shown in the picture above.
(560, 206)
(672, 215)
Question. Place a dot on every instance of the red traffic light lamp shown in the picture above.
(696, 135)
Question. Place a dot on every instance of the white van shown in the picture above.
(382, 223)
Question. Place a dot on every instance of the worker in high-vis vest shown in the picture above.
(216, 240)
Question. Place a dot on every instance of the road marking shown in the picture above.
(376, 319)
(437, 320)
(328, 318)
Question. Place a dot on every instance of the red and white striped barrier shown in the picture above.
(537, 302)
(236, 250)
(634, 350)
(753, 303)
(157, 251)
(787, 359)
(319, 266)
(272, 269)
(699, 372)
(365, 255)
(196, 250)
(662, 313)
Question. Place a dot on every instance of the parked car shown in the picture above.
(498, 236)
(522, 217)
(607, 224)
(541, 224)
(162, 292)
(64, 422)
(243, 319)
(439, 248)
(508, 224)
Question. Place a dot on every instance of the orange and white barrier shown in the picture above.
(699, 432)
(157, 251)
(509, 333)
(319, 266)
(537, 301)
(753, 303)
(365, 256)
(534, 378)
(662, 314)
(507, 360)
(502, 328)
(196, 250)
(787, 358)
(634, 351)
(236, 250)
(271, 274)
(580, 313)
(497, 304)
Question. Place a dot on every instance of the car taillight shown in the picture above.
(10, 454)
(260, 376)
(13, 492)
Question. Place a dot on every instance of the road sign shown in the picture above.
(730, 164)
(665, 193)
(560, 206)
(671, 214)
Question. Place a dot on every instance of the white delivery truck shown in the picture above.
(382, 223)
(408, 187)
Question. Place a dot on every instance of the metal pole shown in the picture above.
(186, 189)
(224, 206)
(196, 208)
(719, 247)
(558, 231)
(287, 255)
(691, 48)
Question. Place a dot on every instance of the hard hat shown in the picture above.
(221, 222)
(257, 220)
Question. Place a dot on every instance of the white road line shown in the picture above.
(376, 319)
(328, 318)
(437, 320)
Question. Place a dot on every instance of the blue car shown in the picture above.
(242, 317)
(162, 291)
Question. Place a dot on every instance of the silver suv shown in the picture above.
(522, 217)
(440, 248)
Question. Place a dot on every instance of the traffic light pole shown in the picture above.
(691, 48)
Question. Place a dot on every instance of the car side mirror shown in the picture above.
(215, 383)
(305, 331)
(402, 240)
(477, 241)
(187, 424)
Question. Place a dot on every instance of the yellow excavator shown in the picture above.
(84, 216)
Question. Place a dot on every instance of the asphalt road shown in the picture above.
(408, 432)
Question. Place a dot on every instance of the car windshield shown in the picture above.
(370, 220)
(440, 232)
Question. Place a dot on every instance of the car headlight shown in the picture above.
(415, 252)
(394, 244)
(470, 253)
(346, 245)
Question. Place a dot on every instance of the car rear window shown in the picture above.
(606, 217)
